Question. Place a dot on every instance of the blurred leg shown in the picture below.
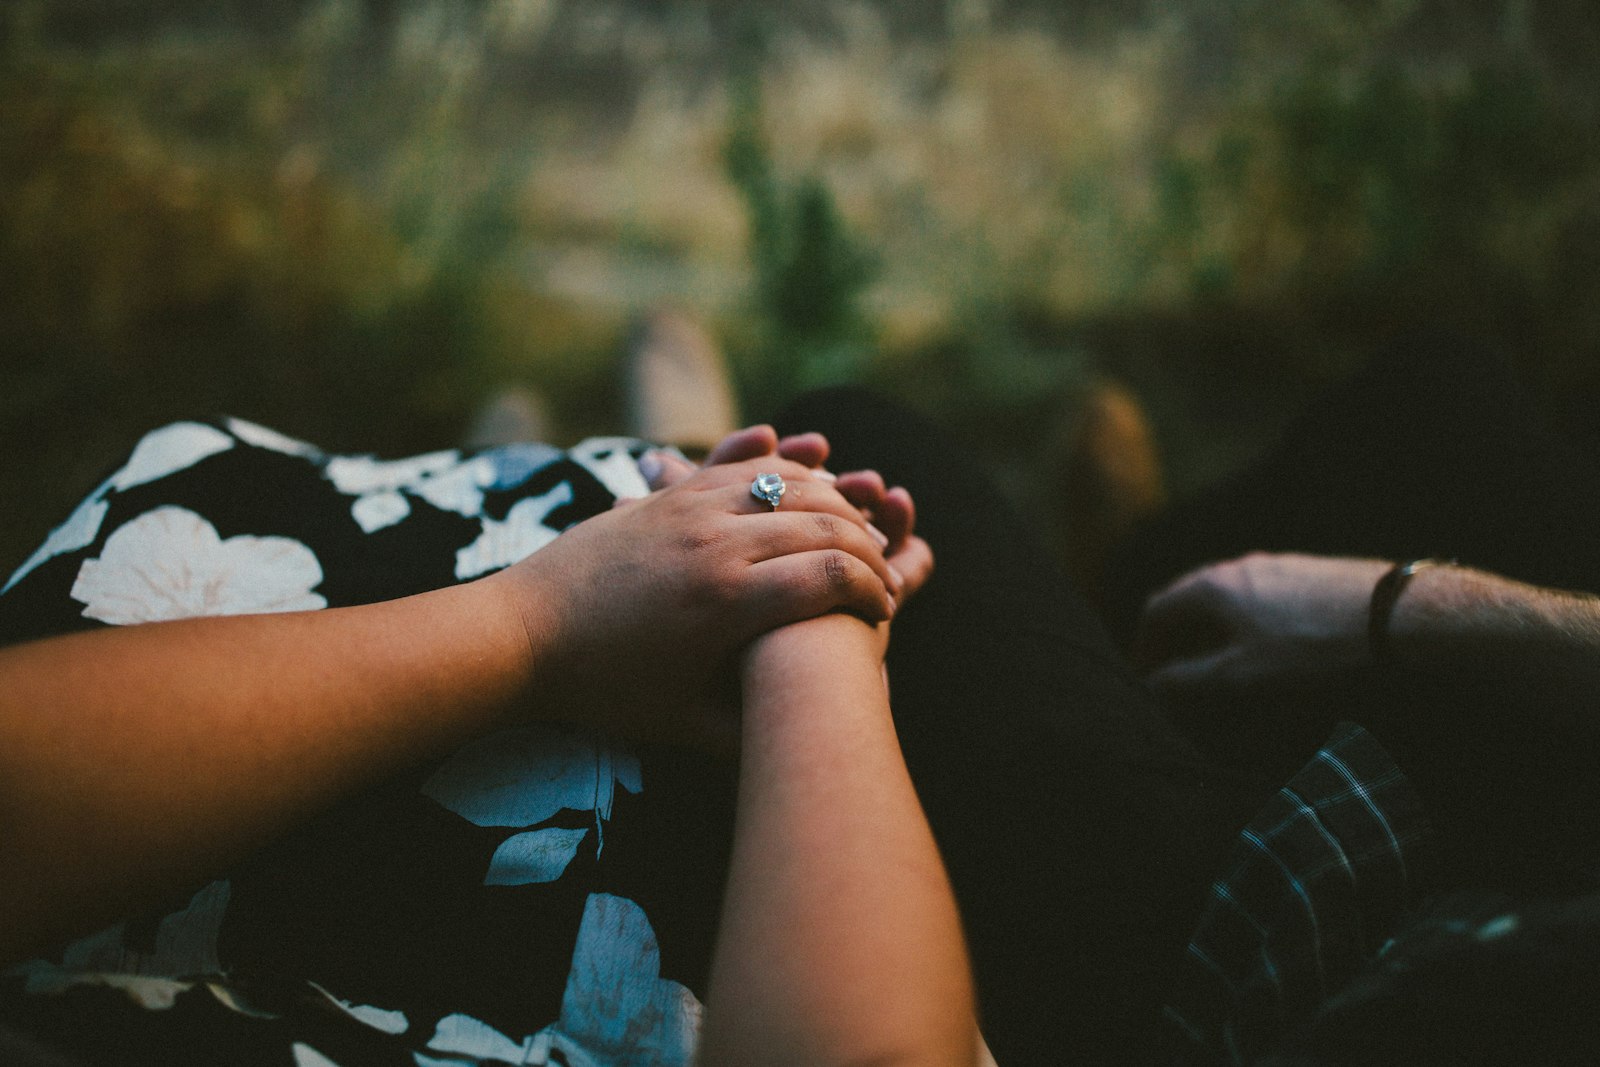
(1079, 829)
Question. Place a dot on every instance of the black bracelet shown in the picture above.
(1384, 597)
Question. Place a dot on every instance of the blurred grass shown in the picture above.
(352, 220)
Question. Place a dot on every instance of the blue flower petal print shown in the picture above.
(519, 778)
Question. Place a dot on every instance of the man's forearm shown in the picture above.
(1474, 626)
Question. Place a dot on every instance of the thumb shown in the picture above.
(1191, 676)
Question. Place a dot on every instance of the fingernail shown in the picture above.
(894, 605)
(824, 474)
(650, 467)
(878, 536)
(899, 579)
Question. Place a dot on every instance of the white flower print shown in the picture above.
(390, 1022)
(617, 1010)
(617, 1007)
(443, 479)
(169, 450)
(515, 463)
(263, 437)
(170, 563)
(159, 453)
(465, 1040)
(78, 531)
(357, 475)
(459, 489)
(306, 1056)
(522, 533)
(375, 511)
(609, 460)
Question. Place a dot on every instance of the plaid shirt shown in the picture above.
(1311, 892)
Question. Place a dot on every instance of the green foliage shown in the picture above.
(350, 219)
(810, 271)
(1389, 190)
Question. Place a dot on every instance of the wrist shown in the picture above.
(517, 604)
(1387, 592)
(1458, 616)
(803, 650)
(835, 628)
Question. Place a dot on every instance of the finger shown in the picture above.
(807, 584)
(752, 442)
(796, 532)
(661, 468)
(913, 565)
(864, 489)
(1180, 620)
(803, 490)
(806, 449)
(896, 517)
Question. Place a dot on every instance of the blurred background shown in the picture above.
(353, 220)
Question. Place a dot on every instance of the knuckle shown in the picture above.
(834, 570)
(829, 527)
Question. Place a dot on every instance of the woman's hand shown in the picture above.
(889, 512)
(633, 615)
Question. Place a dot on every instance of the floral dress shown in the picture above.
(542, 896)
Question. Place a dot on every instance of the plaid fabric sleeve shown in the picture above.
(1310, 893)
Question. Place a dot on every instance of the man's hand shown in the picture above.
(1263, 622)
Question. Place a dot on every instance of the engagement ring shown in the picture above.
(768, 487)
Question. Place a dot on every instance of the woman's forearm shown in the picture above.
(135, 759)
(840, 941)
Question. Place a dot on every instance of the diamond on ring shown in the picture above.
(768, 487)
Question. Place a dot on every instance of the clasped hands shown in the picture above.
(636, 617)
